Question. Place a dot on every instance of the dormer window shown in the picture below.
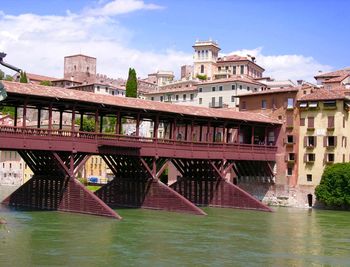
(313, 104)
(303, 105)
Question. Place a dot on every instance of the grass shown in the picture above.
(93, 188)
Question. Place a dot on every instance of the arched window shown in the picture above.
(202, 68)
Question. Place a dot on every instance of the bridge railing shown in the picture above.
(41, 132)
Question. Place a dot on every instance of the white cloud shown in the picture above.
(285, 67)
(118, 7)
(38, 44)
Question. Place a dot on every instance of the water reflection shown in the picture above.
(287, 237)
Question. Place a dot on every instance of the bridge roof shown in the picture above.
(50, 92)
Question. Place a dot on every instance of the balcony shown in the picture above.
(217, 105)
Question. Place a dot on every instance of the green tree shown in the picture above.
(46, 83)
(202, 77)
(6, 110)
(2, 75)
(88, 124)
(8, 78)
(23, 77)
(334, 188)
(131, 84)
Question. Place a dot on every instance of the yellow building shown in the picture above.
(96, 167)
(324, 129)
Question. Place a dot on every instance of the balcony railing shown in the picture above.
(216, 104)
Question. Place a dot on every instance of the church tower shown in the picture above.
(205, 57)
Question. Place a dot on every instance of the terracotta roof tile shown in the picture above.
(324, 94)
(131, 103)
(36, 77)
(272, 91)
(334, 73)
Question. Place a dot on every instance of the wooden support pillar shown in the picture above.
(191, 132)
(208, 132)
(96, 121)
(224, 133)
(214, 134)
(138, 124)
(39, 118)
(16, 116)
(200, 133)
(156, 126)
(24, 114)
(73, 120)
(71, 166)
(101, 123)
(174, 130)
(118, 124)
(61, 119)
(265, 140)
(228, 134)
(50, 117)
(81, 127)
(252, 141)
(238, 134)
(186, 128)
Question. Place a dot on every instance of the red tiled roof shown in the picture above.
(132, 103)
(36, 77)
(232, 58)
(337, 79)
(324, 94)
(272, 91)
(235, 78)
(334, 73)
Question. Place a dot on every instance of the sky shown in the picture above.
(290, 39)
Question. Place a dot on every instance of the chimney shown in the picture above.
(300, 82)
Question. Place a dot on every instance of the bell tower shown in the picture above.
(205, 57)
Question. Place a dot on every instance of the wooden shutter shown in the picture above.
(305, 157)
(315, 141)
(331, 122)
(302, 121)
(335, 141)
(305, 141)
(324, 141)
(310, 122)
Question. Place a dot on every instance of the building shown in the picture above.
(99, 88)
(186, 72)
(222, 93)
(161, 77)
(331, 80)
(204, 59)
(34, 78)
(324, 131)
(80, 68)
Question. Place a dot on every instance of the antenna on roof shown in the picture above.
(2, 56)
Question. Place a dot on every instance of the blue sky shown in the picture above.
(307, 35)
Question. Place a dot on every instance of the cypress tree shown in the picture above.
(23, 77)
(131, 84)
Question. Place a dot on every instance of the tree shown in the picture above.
(88, 124)
(131, 84)
(2, 75)
(202, 77)
(334, 188)
(46, 83)
(23, 77)
(8, 78)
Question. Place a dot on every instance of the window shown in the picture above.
(310, 122)
(248, 88)
(271, 138)
(303, 105)
(234, 71)
(302, 121)
(161, 98)
(177, 97)
(244, 105)
(200, 89)
(291, 156)
(330, 141)
(313, 104)
(289, 171)
(106, 89)
(152, 98)
(240, 87)
(98, 88)
(220, 101)
(220, 88)
(184, 97)
(169, 98)
(233, 87)
(200, 100)
(232, 98)
(309, 157)
(112, 92)
(289, 121)
(242, 69)
(290, 103)
(330, 157)
(330, 104)
(310, 141)
(330, 122)
(202, 68)
(309, 177)
(290, 139)
(263, 104)
(191, 97)
(213, 89)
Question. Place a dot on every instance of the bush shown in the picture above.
(202, 77)
(334, 188)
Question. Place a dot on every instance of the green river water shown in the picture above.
(226, 237)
